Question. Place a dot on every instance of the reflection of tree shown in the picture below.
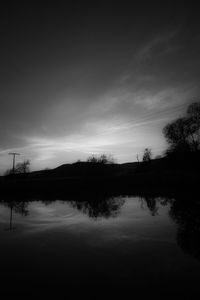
(17, 207)
(187, 216)
(105, 208)
(151, 204)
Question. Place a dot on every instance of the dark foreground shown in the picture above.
(146, 245)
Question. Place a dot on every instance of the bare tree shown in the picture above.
(102, 159)
(23, 167)
(147, 156)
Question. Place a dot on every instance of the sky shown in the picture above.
(94, 77)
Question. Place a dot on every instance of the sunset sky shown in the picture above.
(94, 78)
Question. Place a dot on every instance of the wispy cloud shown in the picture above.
(159, 45)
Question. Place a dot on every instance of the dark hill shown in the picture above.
(165, 173)
(80, 169)
(159, 166)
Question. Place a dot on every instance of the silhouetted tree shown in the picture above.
(176, 134)
(183, 134)
(193, 113)
(23, 167)
(102, 159)
(147, 155)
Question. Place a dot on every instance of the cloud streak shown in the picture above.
(162, 44)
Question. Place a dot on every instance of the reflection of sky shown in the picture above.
(58, 239)
(134, 222)
(76, 81)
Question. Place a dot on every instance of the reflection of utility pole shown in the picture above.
(14, 154)
(11, 227)
(11, 209)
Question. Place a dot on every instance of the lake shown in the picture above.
(116, 241)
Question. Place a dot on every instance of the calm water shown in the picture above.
(116, 241)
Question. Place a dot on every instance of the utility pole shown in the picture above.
(14, 154)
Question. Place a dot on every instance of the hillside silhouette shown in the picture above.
(167, 173)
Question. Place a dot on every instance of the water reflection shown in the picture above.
(185, 215)
(18, 207)
(152, 203)
(105, 208)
